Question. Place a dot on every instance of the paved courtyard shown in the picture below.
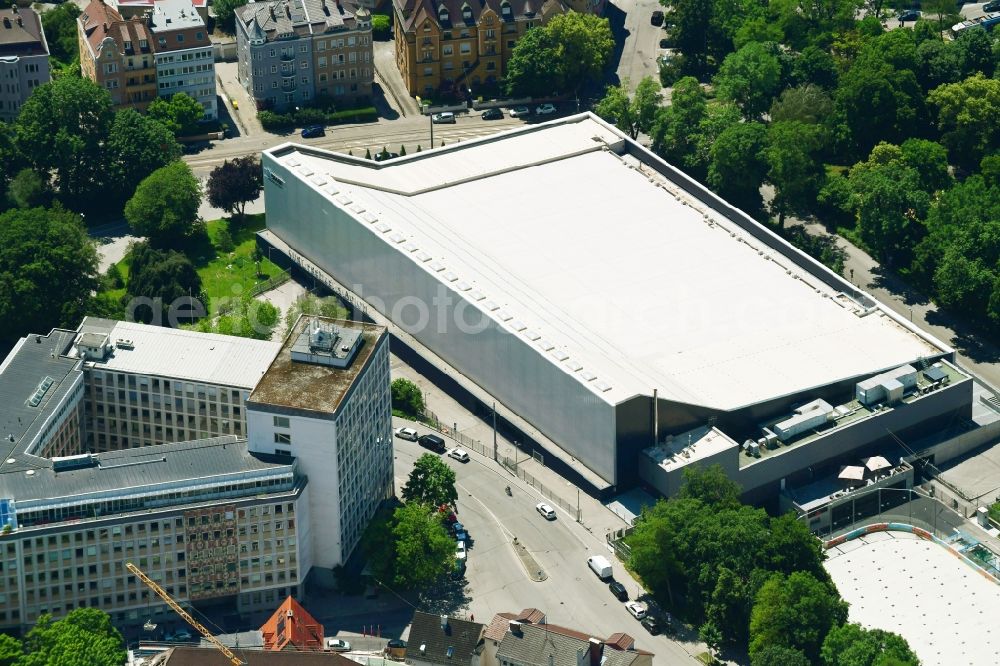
(942, 606)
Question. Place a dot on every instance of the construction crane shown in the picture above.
(184, 614)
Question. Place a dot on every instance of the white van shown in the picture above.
(600, 566)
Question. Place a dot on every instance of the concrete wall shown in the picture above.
(521, 376)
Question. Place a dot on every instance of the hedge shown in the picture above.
(278, 122)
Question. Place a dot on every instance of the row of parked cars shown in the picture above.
(602, 569)
(496, 113)
(433, 442)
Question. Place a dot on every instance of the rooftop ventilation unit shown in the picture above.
(122, 343)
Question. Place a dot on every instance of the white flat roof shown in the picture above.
(611, 269)
(189, 355)
(899, 582)
(697, 444)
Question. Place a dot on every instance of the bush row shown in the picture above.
(273, 121)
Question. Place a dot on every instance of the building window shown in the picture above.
(199, 36)
(465, 48)
(180, 38)
(281, 422)
(282, 438)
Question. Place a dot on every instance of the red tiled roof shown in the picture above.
(531, 615)
(620, 641)
(496, 629)
(292, 625)
(101, 21)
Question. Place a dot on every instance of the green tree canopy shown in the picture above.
(534, 68)
(407, 397)
(48, 269)
(28, 190)
(794, 166)
(164, 207)
(853, 645)
(329, 306)
(235, 183)
(431, 482)
(709, 485)
(561, 56)
(137, 146)
(795, 611)
(62, 128)
(423, 551)
(750, 78)
(737, 167)
(631, 115)
(675, 126)
(246, 317)
(930, 160)
(84, 637)
(968, 116)
(61, 32)
(807, 103)
(225, 14)
(161, 278)
(180, 114)
(779, 655)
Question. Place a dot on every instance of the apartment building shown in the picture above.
(325, 400)
(24, 58)
(184, 57)
(452, 46)
(117, 55)
(213, 520)
(152, 385)
(290, 52)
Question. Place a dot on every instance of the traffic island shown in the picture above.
(535, 572)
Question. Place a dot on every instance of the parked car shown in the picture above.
(313, 132)
(520, 112)
(652, 625)
(545, 110)
(460, 533)
(665, 43)
(408, 434)
(656, 18)
(547, 511)
(459, 454)
(459, 571)
(637, 610)
(432, 442)
(444, 117)
(993, 6)
(460, 552)
(337, 645)
(493, 114)
(909, 15)
(617, 589)
(385, 156)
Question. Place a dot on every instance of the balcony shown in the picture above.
(285, 57)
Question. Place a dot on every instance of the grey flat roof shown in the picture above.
(307, 386)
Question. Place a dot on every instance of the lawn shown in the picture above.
(227, 275)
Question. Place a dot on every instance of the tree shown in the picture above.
(10, 160)
(795, 611)
(975, 49)
(793, 166)
(431, 482)
(737, 167)
(815, 65)
(137, 146)
(59, 24)
(28, 190)
(968, 116)
(779, 655)
(634, 115)
(161, 278)
(235, 183)
(246, 318)
(676, 126)
(585, 45)
(534, 69)
(422, 549)
(807, 103)
(310, 304)
(84, 637)
(48, 269)
(853, 645)
(225, 14)
(180, 114)
(930, 161)
(938, 63)
(62, 128)
(709, 485)
(164, 207)
(407, 397)
(380, 26)
(10, 650)
(710, 635)
(718, 118)
(750, 78)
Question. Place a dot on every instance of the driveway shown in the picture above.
(387, 75)
(637, 38)
(229, 89)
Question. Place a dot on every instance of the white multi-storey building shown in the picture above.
(185, 61)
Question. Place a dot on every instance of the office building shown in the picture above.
(291, 52)
(117, 55)
(24, 58)
(185, 61)
(614, 317)
(454, 46)
(212, 520)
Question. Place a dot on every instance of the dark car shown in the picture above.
(493, 114)
(656, 18)
(993, 6)
(313, 131)
(653, 626)
(909, 15)
(618, 590)
(385, 156)
(432, 442)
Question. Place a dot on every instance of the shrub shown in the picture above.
(276, 122)
(309, 116)
(380, 26)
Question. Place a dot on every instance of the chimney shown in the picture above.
(515, 627)
(596, 650)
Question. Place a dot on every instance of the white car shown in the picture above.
(519, 112)
(406, 433)
(637, 610)
(545, 110)
(460, 552)
(459, 455)
(337, 645)
(547, 511)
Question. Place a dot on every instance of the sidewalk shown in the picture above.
(388, 76)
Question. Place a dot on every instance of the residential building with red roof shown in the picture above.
(117, 55)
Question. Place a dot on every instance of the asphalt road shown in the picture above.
(497, 581)
(640, 38)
